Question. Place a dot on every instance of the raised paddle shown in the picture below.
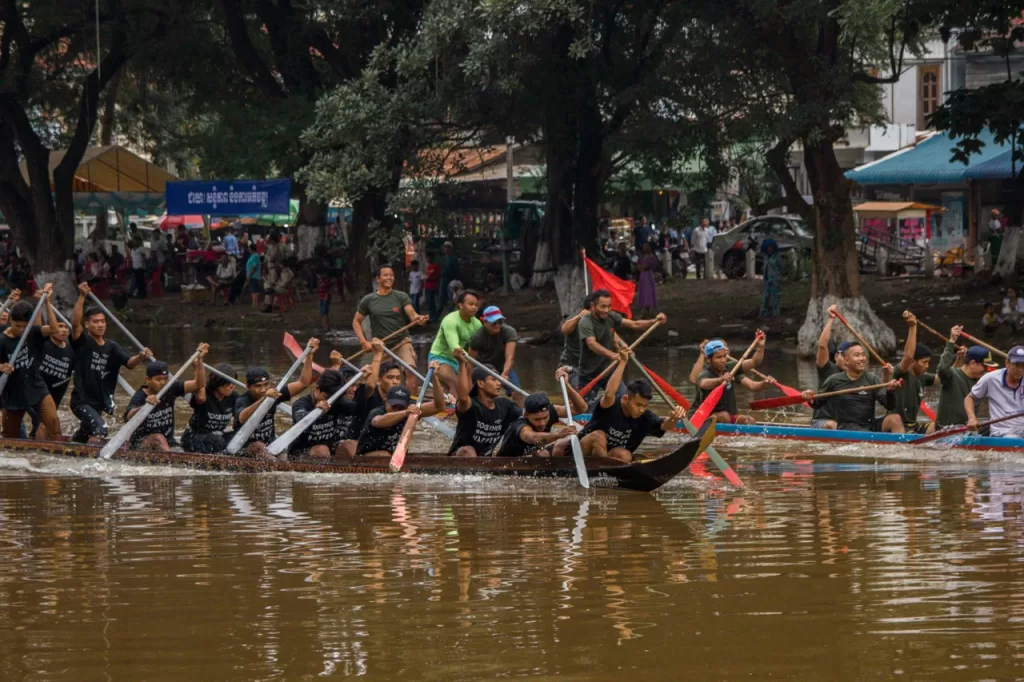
(122, 436)
(590, 387)
(666, 388)
(121, 381)
(992, 349)
(385, 339)
(505, 382)
(8, 303)
(709, 404)
(788, 390)
(241, 436)
(783, 401)
(398, 456)
(282, 442)
(13, 360)
(925, 327)
(961, 429)
(719, 461)
(574, 440)
(433, 422)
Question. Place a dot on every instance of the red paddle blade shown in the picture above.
(928, 412)
(708, 406)
(398, 456)
(669, 389)
(781, 401)
(789, 390)
(295, 350)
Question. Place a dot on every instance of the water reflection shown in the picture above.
(820, 570)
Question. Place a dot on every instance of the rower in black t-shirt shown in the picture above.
(536, 429)
(483, 413)
(57, 367)
(25, 388)
(384, 425)
(619, 425)
(257, 380)
(97, 362)
(156, 432)
(325, 437)
(213, 406)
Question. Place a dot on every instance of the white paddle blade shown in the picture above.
(581, 467)
(122, 436)
(282, 442)
(243, 434)
(446, 430)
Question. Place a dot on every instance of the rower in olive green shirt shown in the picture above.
(957, 382)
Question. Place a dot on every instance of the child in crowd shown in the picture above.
(990, 321)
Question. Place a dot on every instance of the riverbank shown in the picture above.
(696, 310)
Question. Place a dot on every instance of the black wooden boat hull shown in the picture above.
(645, 474)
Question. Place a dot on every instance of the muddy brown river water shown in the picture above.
(845, 563)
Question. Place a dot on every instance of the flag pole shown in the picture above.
(586, 280)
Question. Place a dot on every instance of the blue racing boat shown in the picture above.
(806, 433)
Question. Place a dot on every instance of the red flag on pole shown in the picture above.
(621, 290)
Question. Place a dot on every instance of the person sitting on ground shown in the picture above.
(539, 427)
(483, 413)
(213, 407)
(384, 425)
(957, 381)
(279, 283)
(156, 432)
(990, 321)
(1004, 392)
(257, 381)
(913, 371)
(718, 371)
(495, 344)
(1013, 310)
(328, 436)
(619, 425)
(854, 411)
(26, 390)
(224, 278)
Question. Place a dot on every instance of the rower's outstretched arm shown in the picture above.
(910, 347)
(969, 409)
(754, 361)
(569, 326)
(50, 325)
(640, 325)
(463, 384)
(78, 312)
(378, 356)
(821, 357)
(306, 378)
(579, 405)
(436, 406)
(612, 387)
(698, 364)
(198, 382)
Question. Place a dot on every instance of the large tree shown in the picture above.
(52, 73)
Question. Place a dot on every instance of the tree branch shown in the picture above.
(241, 44)
(777, 158)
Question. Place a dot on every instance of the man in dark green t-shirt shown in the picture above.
(389, 311)
(599, 338)
(959, 369)
(913, 370)
(494, 344)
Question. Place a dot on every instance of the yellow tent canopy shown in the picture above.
(112, 169)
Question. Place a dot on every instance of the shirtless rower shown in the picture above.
(383, 427)
(540, 425)
(257, 381)
(156, 432)
(855, 411)
(389, 310)
(1004, 391)
(717, 370)
(483, 413)
(97, 362)
(620, 424)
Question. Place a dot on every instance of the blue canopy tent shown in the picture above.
(931, 162)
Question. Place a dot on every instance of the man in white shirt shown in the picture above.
(699, 246)
(139, 269)
(1005, 394)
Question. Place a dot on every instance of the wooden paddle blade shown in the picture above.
(928, 412)
(707, 407)
(398, 456)
(295, 350)
(781, 401)
(668, 388)
(939, 435)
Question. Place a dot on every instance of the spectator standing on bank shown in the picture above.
(432, 288)
(647, 297)
(254, 278)
(699, 246)
(451, 271)
(139, 269)
(415, 284)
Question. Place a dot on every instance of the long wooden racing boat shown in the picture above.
(806, 433)
(643, 474)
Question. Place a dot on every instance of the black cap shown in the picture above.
(398, 395)
(922, 351)
(156, 369)
(479, 374)
(536, 402)
(256, 375)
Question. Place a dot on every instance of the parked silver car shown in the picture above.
(729, 247)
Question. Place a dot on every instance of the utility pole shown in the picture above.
(510, 195)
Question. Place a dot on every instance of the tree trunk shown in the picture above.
(570, 289)
(589, 180)
(368, 212)
(311, 228)
(559, 152)
(835, 276)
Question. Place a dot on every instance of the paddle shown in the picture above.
(11, 300)
(122, 436)
(719, 461)
(432, 422)
(878, 358)
(241, 436)
(961, 429)
(709, 404)
(4, 378)
(398, 456)
(386, 339)
(992, 349)
(282, 442)
(574, 440)
(590, 387)
(788, 390)
(783, 401)
(666, 388)
(508, 384)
